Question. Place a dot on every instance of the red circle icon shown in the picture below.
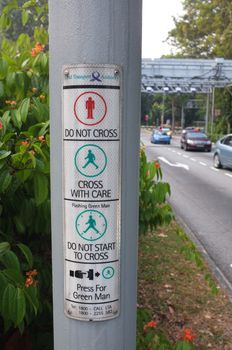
(90, 108)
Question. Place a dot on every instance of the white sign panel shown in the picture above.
(91, 190)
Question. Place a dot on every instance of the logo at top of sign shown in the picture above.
(91, 225)
(96, 76)
(90, 108)
(90, 160)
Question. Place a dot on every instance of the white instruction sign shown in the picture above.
(91, 190)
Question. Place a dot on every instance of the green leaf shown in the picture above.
(2, 91)
(23, 175)
(33, 130)
(40, 188)
(4, 154)
(20, 306)
(4, 246)
(27, 253)
(5, 21)
(8, 302)
(29, 4)
(33, 159)
(18, 221)
(39, 151)
(16, 118)
(5, 121)
(10, 80)
(10, 260)
(3, 284)
(44, 128)
(25, 16)
(14, 276)
(11, 6)
(23, 109)
(41, 110)
(5, 180)
(31, 295)
(8, 136)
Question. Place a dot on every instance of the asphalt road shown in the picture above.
(201, 197)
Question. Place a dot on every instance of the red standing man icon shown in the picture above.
(90, 105)
(90, 108)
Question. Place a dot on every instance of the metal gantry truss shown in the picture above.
(163, 75)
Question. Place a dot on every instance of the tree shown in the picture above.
(19, 16)
(205, 29)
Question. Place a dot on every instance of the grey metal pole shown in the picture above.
(162, 113)
(212, 110)
(207, 113)
(97, 32)
(182, 115)
(173, 115)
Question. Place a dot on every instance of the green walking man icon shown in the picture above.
(90, 159)
(92, 223)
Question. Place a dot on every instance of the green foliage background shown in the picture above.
(24, 176)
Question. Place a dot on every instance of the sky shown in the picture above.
(157, 21)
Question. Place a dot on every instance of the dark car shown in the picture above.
(223, 152)
(195, 140)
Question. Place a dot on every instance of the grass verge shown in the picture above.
(176, 286)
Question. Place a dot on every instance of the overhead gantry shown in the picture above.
(193, 76)
(185, 75)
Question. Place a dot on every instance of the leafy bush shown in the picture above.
(25, 264)
(153, 207)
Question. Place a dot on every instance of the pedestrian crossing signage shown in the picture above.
(91, 191)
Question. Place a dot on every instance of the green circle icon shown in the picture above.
(91, 225)
(108, 272)
(90, 160)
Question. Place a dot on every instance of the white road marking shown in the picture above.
(179, 153)
(212, 168)
(194, 160)
(203, 163)
(184, 155)
(228, 174)
(173, 151)
(179, 165)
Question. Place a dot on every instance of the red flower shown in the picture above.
(187, 335)
(157, 165)
(30, 279)
(151, 324)
(10, 102)
(37, 49)
(24, 143)
(1, 125)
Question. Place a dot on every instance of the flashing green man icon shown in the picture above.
(92, 223)
(90, 160)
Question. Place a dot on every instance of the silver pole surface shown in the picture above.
(182, 116)
(212, 110)
(207, 113)
(97, 32)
